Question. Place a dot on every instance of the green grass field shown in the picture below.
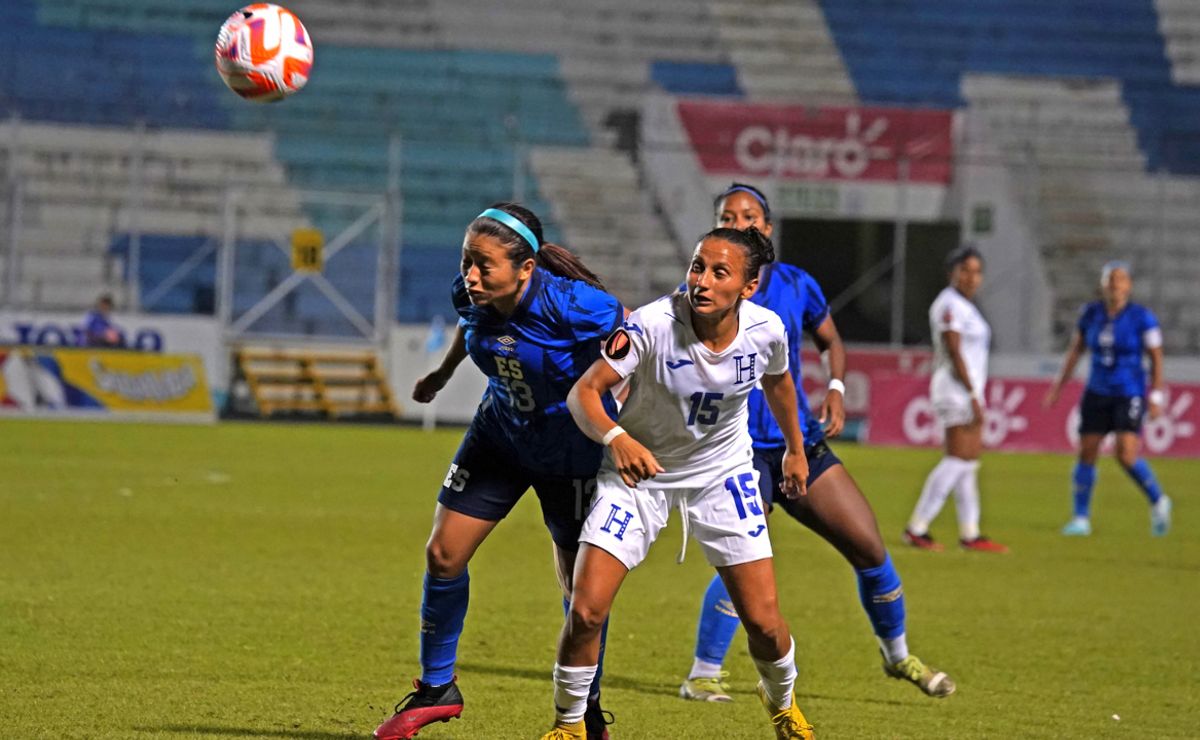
(259, 581)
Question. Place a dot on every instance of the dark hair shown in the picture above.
(961, 255)
(757, 246)
(105, 298)
(740, 187)
(551, 257)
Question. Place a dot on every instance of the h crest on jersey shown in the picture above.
(745, 367)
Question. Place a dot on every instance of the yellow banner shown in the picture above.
(47, 380)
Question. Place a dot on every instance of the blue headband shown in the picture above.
(756, 196)
(513, 223)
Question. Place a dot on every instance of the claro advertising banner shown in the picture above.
(103, 384)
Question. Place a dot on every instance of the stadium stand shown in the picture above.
(1099, 88)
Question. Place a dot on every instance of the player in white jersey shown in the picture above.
(961, 338)
(691, 360)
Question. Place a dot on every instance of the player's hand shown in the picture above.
(833, 413)
(1051, 397)
(795, 475)
(977, 409)
(633, 461)
(427, 387)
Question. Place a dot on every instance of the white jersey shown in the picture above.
(686, 403)
(951, 311)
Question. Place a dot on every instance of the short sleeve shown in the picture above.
(1081, 323)
(1151, 331)
(626, 346)
(458, 296)
(948, 315)
(778, 362)
(592, 314)
(815, 306)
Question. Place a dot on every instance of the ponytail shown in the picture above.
(553, 258)
(564, 263)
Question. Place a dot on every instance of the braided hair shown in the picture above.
(553, 258)
(754, 244)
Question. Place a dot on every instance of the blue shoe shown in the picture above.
(1160, 516)
(1079, 526)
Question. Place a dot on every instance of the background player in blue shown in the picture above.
(1118, 333)
(532, 318)
(835, 508)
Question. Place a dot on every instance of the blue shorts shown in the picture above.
(769, 464)
(483, 482)
(1103, 414)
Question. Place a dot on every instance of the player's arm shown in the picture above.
(427, 387)
(1157, 396)
(780, 392)
(833, 409)
(633, 461)
(1074, 352)
(953, 343)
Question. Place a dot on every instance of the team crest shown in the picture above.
(616, 346)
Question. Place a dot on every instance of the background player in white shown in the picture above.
(961, 338)
(692, 359)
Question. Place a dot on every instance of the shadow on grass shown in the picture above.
(288, 734)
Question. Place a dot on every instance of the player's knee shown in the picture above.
(442, 561)
(586, 619)
(1127, 458)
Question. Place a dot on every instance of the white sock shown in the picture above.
(937, 487)
(704, 669)
(966, 501)
(779, 678)
(571, 687)
(895, 649)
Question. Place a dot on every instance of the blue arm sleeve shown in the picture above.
(815, 307)
(592, 313)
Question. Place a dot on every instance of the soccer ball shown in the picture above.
(264, 53)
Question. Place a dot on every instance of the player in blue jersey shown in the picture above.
(532, 318)
(1118, 333)
(835, 508)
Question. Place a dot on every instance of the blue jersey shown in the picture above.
(1117, 345)
(792, 294)
(531, 360)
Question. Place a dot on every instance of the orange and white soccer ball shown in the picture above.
(264, 53)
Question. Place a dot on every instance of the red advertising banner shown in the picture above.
(798, 142)
(862, 365)
(902, 414)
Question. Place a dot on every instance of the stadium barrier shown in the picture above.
(103, 384)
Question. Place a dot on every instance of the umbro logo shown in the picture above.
(507, 343)
(678, 364)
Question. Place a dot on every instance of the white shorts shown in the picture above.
(951, 402)
(726, 518)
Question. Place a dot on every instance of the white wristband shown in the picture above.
(611, 434)
(1158, 397)
(837, 385)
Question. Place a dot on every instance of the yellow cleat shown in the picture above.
(567, 731)
(933, 682)
(789, 723)
(706, 689)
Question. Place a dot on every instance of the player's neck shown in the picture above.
(507, 306)
(717, 332)
(1113, 308)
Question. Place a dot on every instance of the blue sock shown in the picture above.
(442, 612)
(1082, 480)
(883, 598)
(718, 623)
(594, 692)
(1144, 477)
